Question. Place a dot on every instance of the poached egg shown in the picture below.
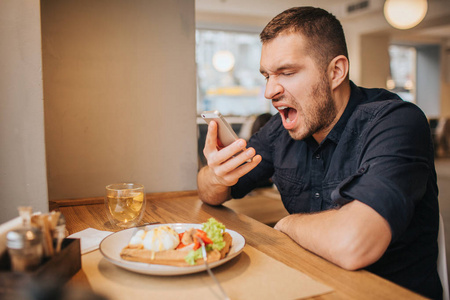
(156, 239)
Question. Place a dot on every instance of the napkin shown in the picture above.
(90, 239)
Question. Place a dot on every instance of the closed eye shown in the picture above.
(266, 76)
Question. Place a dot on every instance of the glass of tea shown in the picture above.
(125, 203)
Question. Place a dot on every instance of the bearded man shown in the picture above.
(354, 166)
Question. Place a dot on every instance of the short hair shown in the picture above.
(324, 33)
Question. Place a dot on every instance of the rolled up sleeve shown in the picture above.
(394, 166)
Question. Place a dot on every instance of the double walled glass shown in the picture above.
(125, 203)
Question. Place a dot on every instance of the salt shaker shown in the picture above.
(25, 248)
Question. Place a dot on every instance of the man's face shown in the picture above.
(297, 88)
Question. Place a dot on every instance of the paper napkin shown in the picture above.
(90, 239)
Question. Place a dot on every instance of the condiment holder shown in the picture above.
(38, 248)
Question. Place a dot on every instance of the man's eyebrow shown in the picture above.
(287, 67)
(281, 68)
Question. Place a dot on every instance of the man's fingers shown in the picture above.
(218, 157)
(226, 153)
(247, 167)
(211, 138)
(229, 163)
(235, 168)
(232, 157)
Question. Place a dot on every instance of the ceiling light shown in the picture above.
(405, 14)
(223, 61)
(390, 84)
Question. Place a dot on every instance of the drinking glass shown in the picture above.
(125, 203)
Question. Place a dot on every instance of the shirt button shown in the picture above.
(317, 195)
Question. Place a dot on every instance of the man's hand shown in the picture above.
(352, 237)
(225, 167)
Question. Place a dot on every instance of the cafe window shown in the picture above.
(402, 78)
(228, 75)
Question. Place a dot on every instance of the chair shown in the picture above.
(442, 260)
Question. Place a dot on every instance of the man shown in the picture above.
(354, 166)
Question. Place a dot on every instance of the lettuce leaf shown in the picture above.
(193, 255)
(214, 229)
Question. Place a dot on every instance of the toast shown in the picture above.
(173, 257)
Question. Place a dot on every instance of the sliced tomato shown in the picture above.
(196, 244)
(201, 234)
(181, 246)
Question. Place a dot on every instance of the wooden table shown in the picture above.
(185, 207)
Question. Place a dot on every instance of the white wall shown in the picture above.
(428, 93)
(120, 95)
(22, 156)
(374, 60)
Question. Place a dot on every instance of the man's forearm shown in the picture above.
(209, 191)
(352, 237)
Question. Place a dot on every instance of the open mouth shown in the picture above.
(289, 116)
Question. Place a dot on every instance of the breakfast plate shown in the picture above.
(112, 245)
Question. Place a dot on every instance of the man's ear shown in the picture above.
(338, 71)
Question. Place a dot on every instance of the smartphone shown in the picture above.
(225, 133)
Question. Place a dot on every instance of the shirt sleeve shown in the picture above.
(262, 142)
(394, 165)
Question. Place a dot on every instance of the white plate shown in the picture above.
(112, 245)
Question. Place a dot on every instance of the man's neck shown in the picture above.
(341, 97)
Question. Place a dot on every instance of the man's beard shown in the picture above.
(322, 114)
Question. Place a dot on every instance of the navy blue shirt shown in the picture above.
(380, 153)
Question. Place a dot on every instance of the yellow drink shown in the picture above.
(125, 203)
(126, 209)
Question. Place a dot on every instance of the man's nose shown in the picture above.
(273, 89)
